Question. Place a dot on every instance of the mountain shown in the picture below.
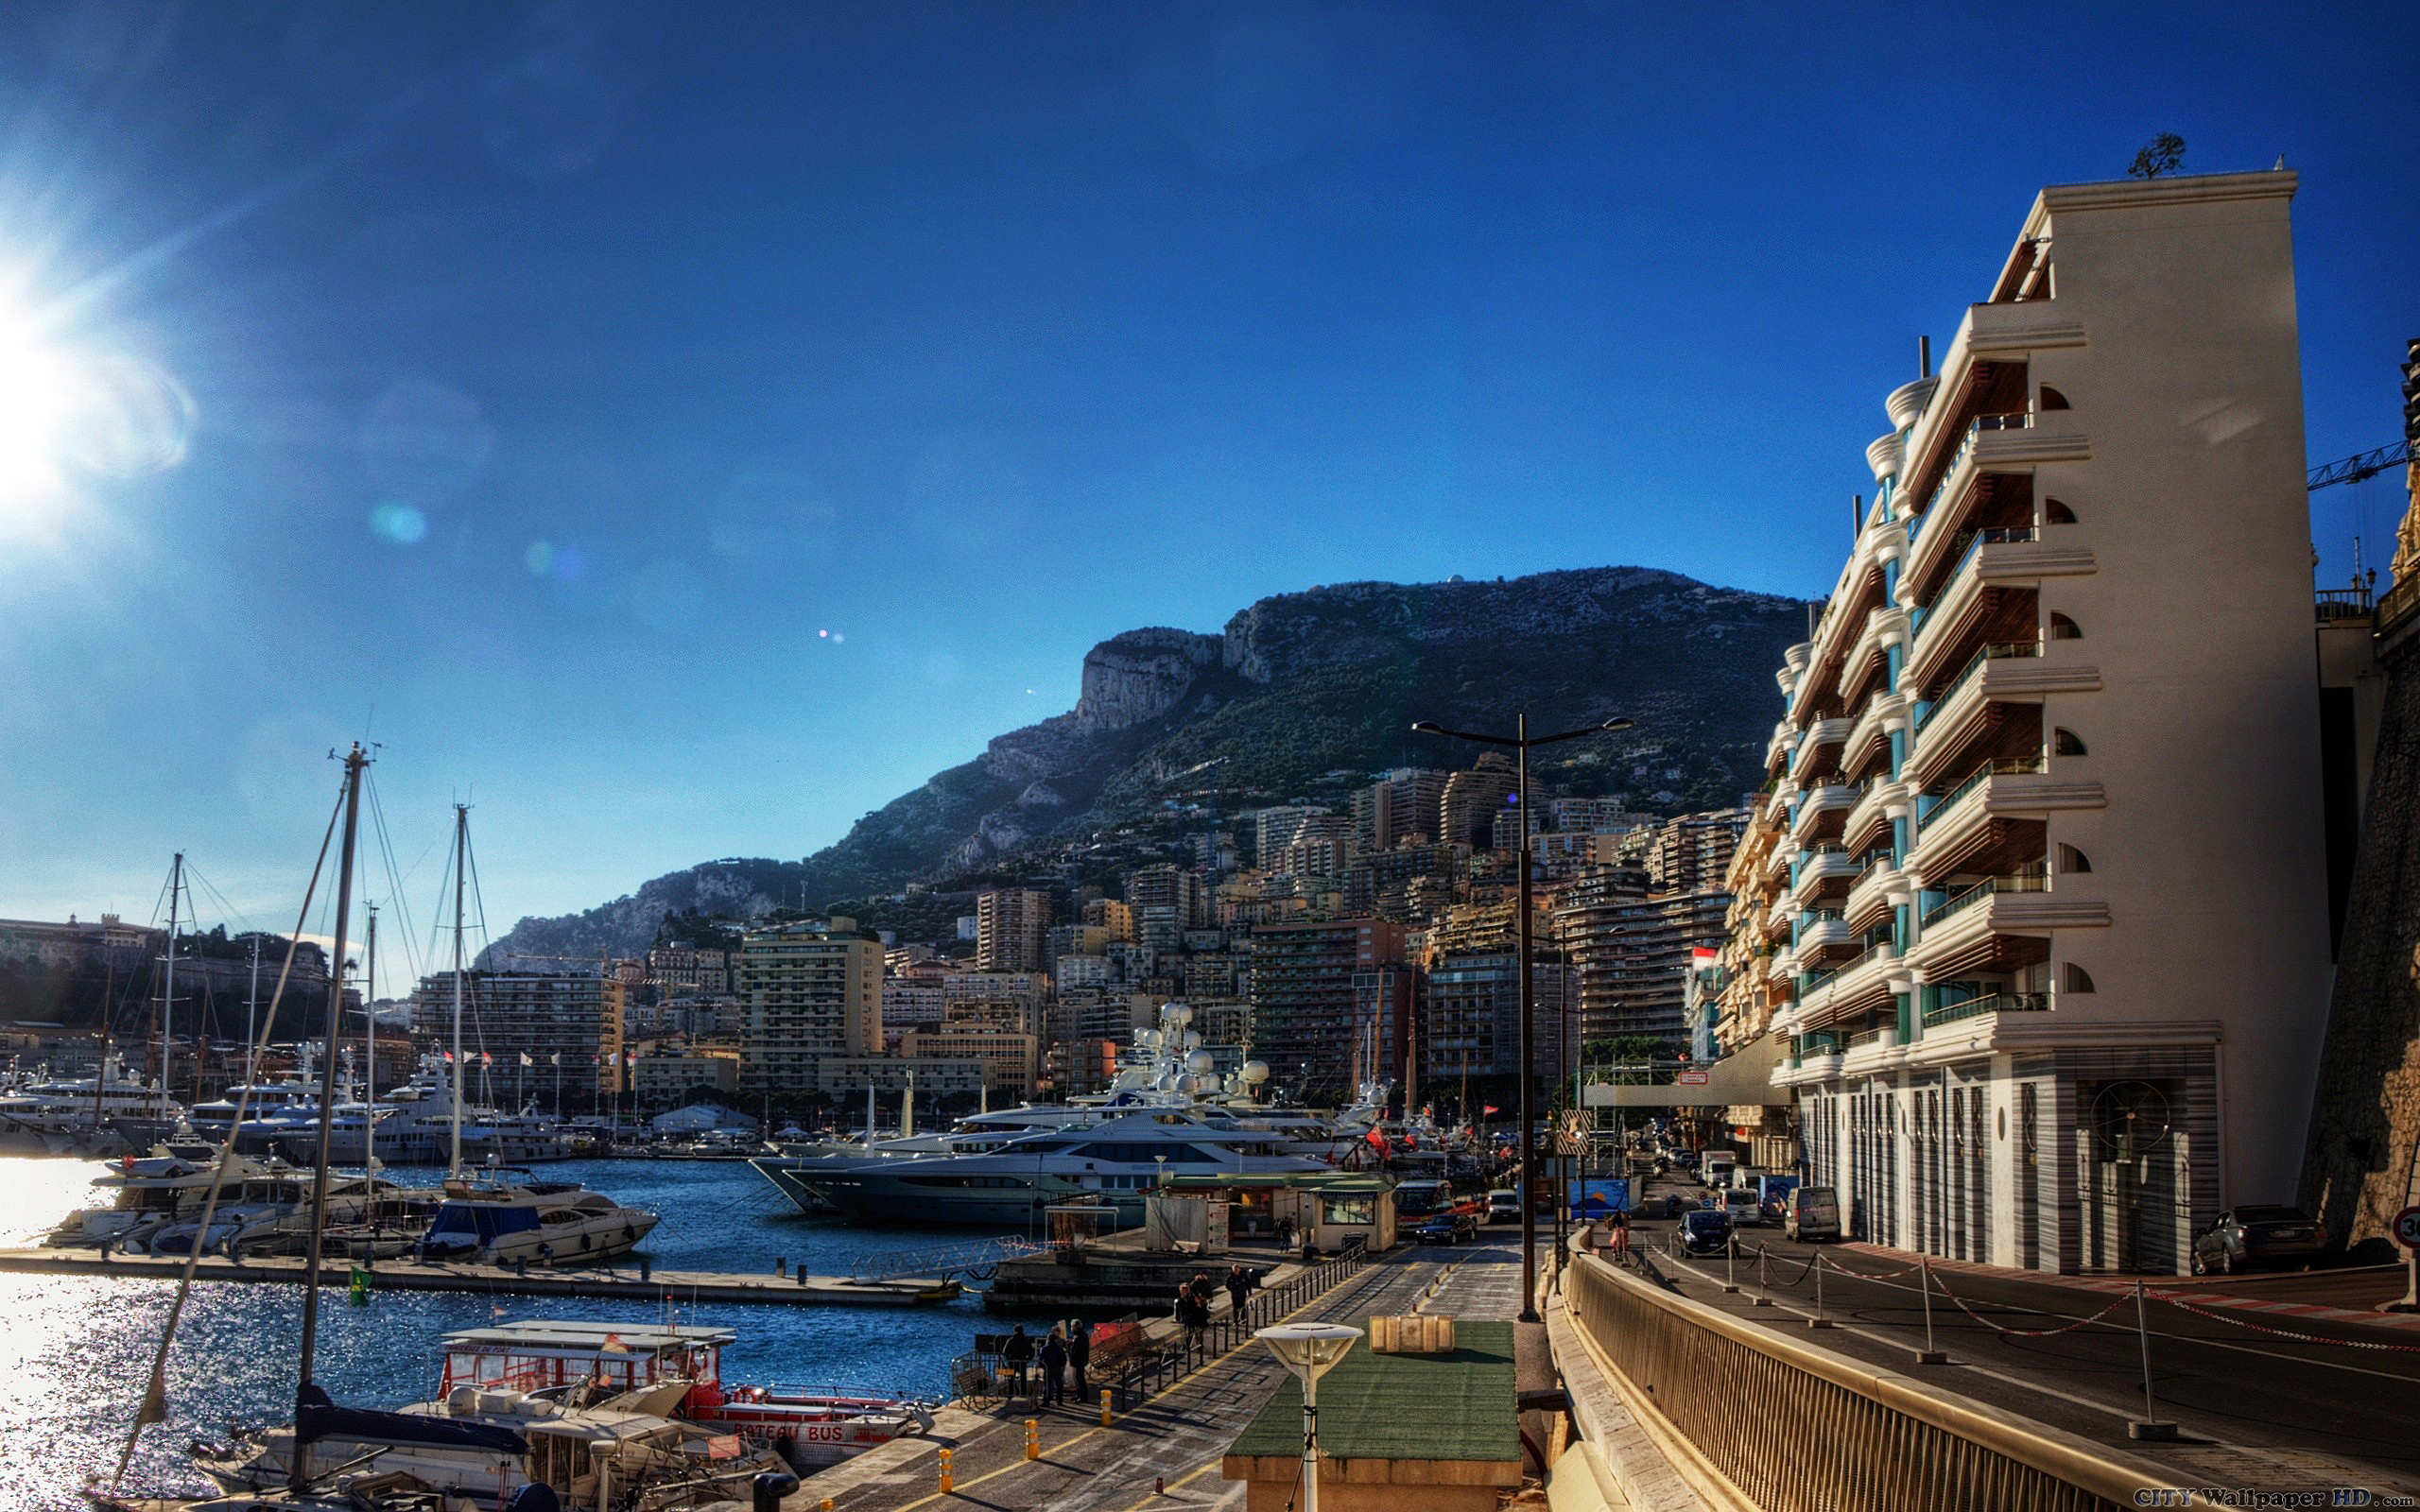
(1304, 695)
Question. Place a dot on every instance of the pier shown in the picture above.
(623, 1284)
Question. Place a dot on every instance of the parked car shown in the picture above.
(1705, 1231)
(1741, 1204)
(2245, 1237)
(1504, 1206)
(1811, 1214)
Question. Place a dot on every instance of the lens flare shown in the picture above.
(397, 524)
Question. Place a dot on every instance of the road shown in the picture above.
(2257, 1410)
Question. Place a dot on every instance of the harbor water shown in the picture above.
(76, 1350)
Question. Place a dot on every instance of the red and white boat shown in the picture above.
(581, 1361)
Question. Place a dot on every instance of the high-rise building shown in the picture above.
(561, 1021)
(813, 991)
(1467, 806)
(1275, 829)
(2048, 770)
(1397, 808)
(1012, 930)
(1631, 952)
(1693, 852)
(1308, 1023)
(1166, 901)
(1472, 1023)
(1108, 914)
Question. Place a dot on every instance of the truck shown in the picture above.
(1715, 1167)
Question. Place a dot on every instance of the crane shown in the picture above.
(2358, 467)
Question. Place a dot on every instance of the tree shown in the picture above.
(2165, 154)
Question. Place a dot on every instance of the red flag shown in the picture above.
(1378, 1138)
(1489, 1109)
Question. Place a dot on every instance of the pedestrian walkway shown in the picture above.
(1165, 1453)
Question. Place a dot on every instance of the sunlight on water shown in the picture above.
(74, 1351)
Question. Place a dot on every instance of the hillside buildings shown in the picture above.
(1012, 930)
(2037, 895)
(814, 994)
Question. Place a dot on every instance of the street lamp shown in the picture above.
(1309, 1351)
(1520, 741)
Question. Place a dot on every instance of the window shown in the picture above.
(2055, 512)
(2071, 859)
(2074, 978)
(2065, 742)
(2064, 629)
(1357, 1210)
(2052, 399)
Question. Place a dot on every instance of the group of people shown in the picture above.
(1067, 1346)
(1193, 1299)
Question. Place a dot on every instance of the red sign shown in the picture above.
(1690, 1078)
(2407, 1227)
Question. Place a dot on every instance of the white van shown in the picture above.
(1715, 1169)
(1811, 1214)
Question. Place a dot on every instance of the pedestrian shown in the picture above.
(1079, 1353)
(1199, 1286)
(1017, 1353)
(1054, 1369)
(1191, 1314)
(1617, 1232)
(1238, 1288)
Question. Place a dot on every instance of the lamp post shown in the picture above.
(1520, 741)
(1309, 1351)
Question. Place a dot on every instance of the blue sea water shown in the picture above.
(75, 1351)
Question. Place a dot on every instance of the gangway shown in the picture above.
(975, 1258)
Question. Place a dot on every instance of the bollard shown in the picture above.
(1928, 1355)
(2150, 1427)
(1764, 1286)
(1033, 1438)
(802, 1274)
(768, 1488)
(1104, 1406)
(781, 1265)
(946, 1482)
(1819, 1320)
(1729, 1254)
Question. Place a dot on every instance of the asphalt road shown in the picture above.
(2257, 1410)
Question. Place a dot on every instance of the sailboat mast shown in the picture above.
(370, 1045)
(354, 761)
(462, 848)
(168, 988)
(101, 1073)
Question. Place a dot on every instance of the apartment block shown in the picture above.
(557, 1018)
(1012, 930)
(1631, 952)
(1472, 1023)
(1308, 1022)
(2046, 785)
(1692, 854)
(1467, 807)
(1400, 808)
(813, 991)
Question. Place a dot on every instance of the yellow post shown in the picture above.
(825, 1506)
(946, 1476)
(1104, 1406)
(1033, 1438)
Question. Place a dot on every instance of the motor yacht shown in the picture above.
(500, 1222)
(147, 1194)
(107, 1115)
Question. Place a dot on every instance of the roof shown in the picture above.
(1344, 1180)
(1459, 1405)
(566, 1334)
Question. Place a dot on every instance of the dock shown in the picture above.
(685, 1286)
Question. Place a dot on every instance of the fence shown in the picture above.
(1147, 1371)
(1800, 1429)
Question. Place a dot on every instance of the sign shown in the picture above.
(1690, 1078)
(2407, 1227)
(1595, 1197)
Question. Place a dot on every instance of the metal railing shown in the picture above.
(1976, 427)
(1988, 1002)
(1988, 654)
(2021, 767)
(1984, 889)
(2341, 604)
(1963, 546)
(1153, 1368)
(1801, 1430)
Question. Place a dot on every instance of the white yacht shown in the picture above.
(495, 1222)
(107, 1115)
(145, 1195)
(1115, 1159)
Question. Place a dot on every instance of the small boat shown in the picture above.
(498, 1221)
(572, 1361)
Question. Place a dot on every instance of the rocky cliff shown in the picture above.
(1305, 693)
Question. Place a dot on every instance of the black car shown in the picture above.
(1450, 1226)
(2245, 1237)
(1674, 1205)
(1705, 1231)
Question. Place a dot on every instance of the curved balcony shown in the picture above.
(1998, 676)
(1884, 454)
(1994, 444)
(1823, 873)
(1868, 661)
(1778, 918)
(1776, 805)
(1904, 403)
(1856, 986)
(1821, 735)
(1996, 807)
(1869, 819)
(1992, 587)
(1777, 748)
(1823, 935)
(1991, 339)
(1874, 893)
(1869, 732)
(1819, 812)
(1997, 925)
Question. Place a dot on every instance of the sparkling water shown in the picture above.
(75, 1351)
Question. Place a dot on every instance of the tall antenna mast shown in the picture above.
(168, 983)
(461, 849)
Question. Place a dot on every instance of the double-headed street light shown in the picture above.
(1520, 741)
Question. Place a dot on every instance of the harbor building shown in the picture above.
(813, 990)
(562, 1021)
(2047, 796)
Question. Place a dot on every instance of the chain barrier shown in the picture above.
(2175, 1300)
(2115, 1303)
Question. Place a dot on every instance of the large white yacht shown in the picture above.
(145, 1194)
(1115, 1159)
(497, 1222)
(109, 1115)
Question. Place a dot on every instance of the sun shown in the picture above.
(36, 397)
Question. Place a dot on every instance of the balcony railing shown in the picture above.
(1982, 891)
(1974, 428)
(1988, 1002)
(1989, 653)
(1966, 543)
(2343, 604)
(2021, 767)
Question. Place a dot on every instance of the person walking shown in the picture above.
(1079, 1353)
(1017, 1353)
(1191, 1314)
(1617, 1232)
(1239, 1285)
(1054, 1369)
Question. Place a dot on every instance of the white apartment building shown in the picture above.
(2049, 918)
(813, 992)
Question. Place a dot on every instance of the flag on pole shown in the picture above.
(555, 1059)
(525, 1060)
(486, 1060)
(1487, 1109)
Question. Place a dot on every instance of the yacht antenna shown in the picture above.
(315, 1235)
(461, 845)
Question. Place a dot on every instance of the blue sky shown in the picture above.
(558, 377)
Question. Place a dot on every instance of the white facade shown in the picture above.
(2049, 795)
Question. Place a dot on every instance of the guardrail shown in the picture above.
(1801, 1430)
(1153, 1368)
